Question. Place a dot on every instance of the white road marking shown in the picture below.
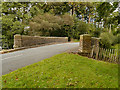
(63, 44)
(12, 56)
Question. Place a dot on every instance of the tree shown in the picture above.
(57, 8)
(10, 28)
(90, 10)
(51, 25)
(14, 19)
(104, 10)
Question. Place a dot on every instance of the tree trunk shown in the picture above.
(89, 18)
(72, 10)
(82, 18)
(110, 29)
(98, 24)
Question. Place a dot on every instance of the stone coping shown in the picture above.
(95, 38)
(40, 36)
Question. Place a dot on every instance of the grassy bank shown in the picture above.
(62, 71)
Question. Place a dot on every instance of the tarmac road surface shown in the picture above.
(14, 60)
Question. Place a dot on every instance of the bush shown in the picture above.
(82, 27)
(107, 39)
(104, 29)
(95, 32)
(118, 38)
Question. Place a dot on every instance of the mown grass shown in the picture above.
(64, 71)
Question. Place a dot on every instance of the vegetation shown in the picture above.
(116, 46)
(63, 19)
(75, 40)
(118, 37)
(107, 15)
(64, 71)
(51, 25)
(108, 39)
(59, 19)
(9, 29)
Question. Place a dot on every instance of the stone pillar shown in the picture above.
(85, 43)
(95, 42)
(17, 41)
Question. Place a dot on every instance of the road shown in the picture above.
(14, 60)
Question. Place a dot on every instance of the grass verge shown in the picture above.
(75, 40)
(64, 71)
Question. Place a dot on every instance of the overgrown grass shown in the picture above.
(64, 71)
(115, 46)
(75, 40)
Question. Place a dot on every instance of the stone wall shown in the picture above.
(24, 41)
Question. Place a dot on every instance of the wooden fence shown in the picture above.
(109, 55)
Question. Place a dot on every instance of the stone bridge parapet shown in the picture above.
(24, 41)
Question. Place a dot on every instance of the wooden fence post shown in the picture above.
(92, 51)
(97, 53)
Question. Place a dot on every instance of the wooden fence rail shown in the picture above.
(110, 55)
